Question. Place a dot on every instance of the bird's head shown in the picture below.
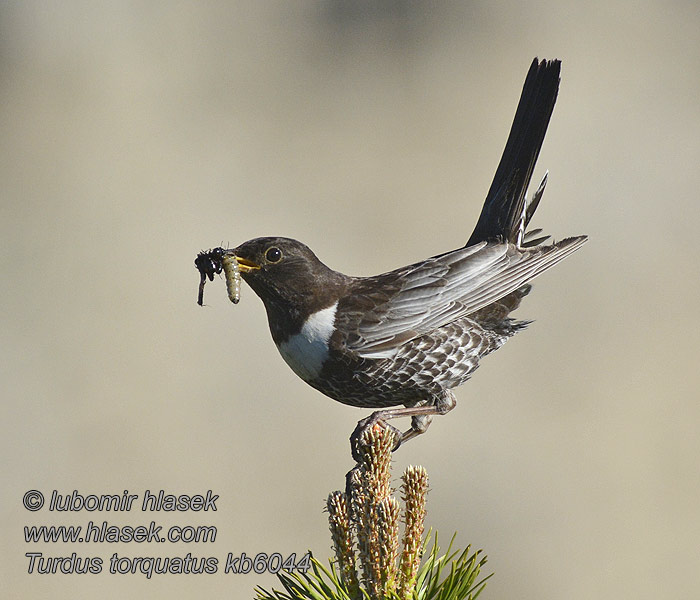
(286, 274)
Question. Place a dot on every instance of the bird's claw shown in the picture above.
(375, 419)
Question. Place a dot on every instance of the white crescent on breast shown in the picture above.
(306, 351)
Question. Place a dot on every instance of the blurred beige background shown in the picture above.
(136, 134)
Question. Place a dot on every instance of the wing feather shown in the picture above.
(428, 295)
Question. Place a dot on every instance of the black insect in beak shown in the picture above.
(212, 262)
(208, 264)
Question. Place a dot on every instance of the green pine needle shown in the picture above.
(451, 576)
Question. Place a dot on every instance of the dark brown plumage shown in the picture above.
(408, 337)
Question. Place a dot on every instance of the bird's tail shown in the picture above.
(505, 214)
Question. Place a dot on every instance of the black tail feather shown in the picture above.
(503, 209)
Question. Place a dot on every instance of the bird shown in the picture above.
(401, 341)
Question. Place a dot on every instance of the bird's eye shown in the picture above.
(273, 255)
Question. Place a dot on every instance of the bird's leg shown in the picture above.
(443, 404)
(419, 425)
(420, 420)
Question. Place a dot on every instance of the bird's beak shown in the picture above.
(245, 265)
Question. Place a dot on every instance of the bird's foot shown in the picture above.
(376, 419)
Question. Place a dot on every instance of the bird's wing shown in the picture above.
(391, 309)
